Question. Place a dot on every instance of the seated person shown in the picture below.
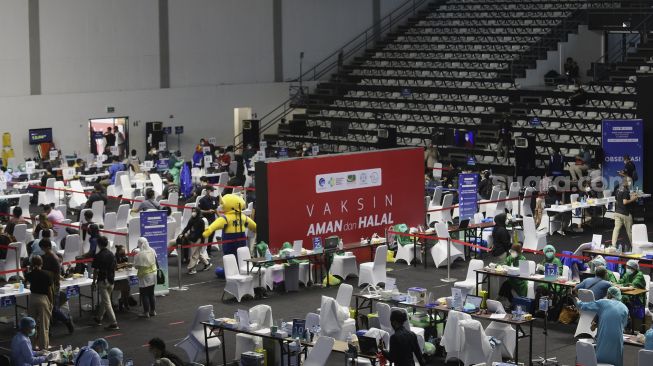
(149, 203)
(597, 284)
(5, 240)
(501, 240)
(170, 187)
(542, 289)
(122, 261)
(94, 235)
(564, 218)
(556, 164)
(42, 223)
(88, 221)
(599, 262)
(514, 286)
(36, 248)
(633, 278)
(97, 195)
(16, 219)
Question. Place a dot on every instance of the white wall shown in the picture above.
(99, 45)
(203, 111)
(215, 42)
(14, 43)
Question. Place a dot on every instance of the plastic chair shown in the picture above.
(640, 239)
(193, 344)
(78, 198)
(501, 331)
(469, 284)
(110, 221)
(157, 184)
(439, 250)
(73, 248)
(237, 285)
(334, 319)
(344, 266)
(319, 355)
(122, 216)
(586, 355)
(260, 318)
(133, 233)
(452, 336)
(23, 203)
(173, 200)
(98, 212)
(374, 272)
(243, 254)
(476, 346)
(533, 239)
(644, 357)
(443, 213)
(20, 233)
(125, 183)
(526, 202)
(585, 321)
(343, 297)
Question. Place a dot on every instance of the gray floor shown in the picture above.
(175, 312)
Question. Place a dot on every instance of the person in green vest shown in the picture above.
(633, 278)
(542, 289)
(599, 261)
(513, 286)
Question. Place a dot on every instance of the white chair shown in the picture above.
(405, 252)
(343, 297)
(586, 355)
(640, 239)
(23, 203)
(78, 198)
(533, 239)
(48, 196)
(469, 284)
(110, 225)
(513, 196)
(644, 357)
(647, 279)
(9, 263)
(498, 206)
(237, 285)
(319, 355)
(585, 321)
(260, 318)
(501, 331)
(526, 202)
(122, 216)
(439, 250)
(133, 233)
(126, 185)
(532, 266)
(441, 213)
(186, 215)
(344, 265)
(437, 197)
(383, 312)
(483, 205)
(20, 233)
(304, 267)
(98, 212)
(157, 184)
(173, 201)
(374, 272)
(73, 248)
(476, 346)
(193, 344)
(334, 319)
(452, 336)
(244, 254)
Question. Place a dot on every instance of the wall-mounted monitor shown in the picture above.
(40, 135)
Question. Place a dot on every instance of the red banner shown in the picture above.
(349, 195)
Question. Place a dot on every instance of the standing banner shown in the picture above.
(467, 195)
(154, 228)
(622, 137)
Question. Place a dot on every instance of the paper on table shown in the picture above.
(596, 241)
(497, 316)
(390, 283)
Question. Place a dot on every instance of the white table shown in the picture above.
(14, 295)
(11, 196)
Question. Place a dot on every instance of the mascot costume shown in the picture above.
(233, 224)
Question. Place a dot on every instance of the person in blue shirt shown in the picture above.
(91, 356)
(22, 353)
(613, 316)
(115, 167)
(598, 284)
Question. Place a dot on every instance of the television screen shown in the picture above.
(40, 135)
(463, 138)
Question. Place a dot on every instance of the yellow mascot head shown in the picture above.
(232, 203)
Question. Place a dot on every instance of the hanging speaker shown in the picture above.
(251, 132)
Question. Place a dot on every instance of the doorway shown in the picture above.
(100, 142)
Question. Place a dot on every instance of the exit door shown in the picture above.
(109, 136)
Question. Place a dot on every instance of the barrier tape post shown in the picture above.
(448, 279)
(179, 266)
(18, 267)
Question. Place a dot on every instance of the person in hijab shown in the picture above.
(115, 357)
(193, 232)
(599, 262)
(612, 318)
(500, 237)
(514, 286)
(92, 356)
(22, 352)
(145, 264)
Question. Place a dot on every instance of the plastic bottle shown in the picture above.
(211, 317)
(86, 275)
(268, 255)
(129, 362)
(340, 244)
(21, 287)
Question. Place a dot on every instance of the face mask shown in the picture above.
(549, 255)
(629, 271)
(513, 254)
(32, 333)
(194, 214)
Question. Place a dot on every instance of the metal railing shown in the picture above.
(340, 56)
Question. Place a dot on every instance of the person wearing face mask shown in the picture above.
(193, 233)
(542, 289)
(612, 318)
(92, 356)
(208, 205)
(599, 262)
(500, 237)
(22, 353)
(514, 286)
(115, 357)
(145, 263)
(597, 284)
(624, 201)
(633, 278)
